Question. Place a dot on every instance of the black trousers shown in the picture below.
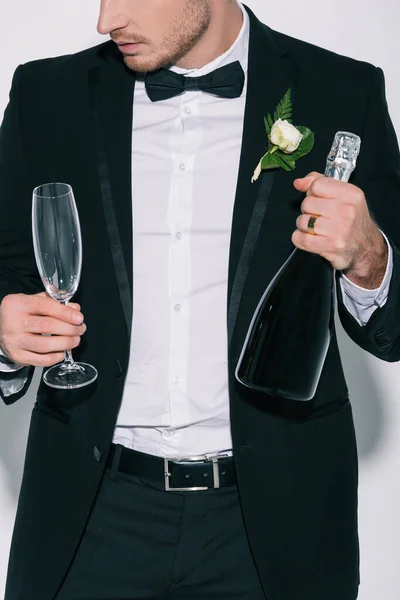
(143, 542)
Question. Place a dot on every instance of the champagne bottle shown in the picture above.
(289, 335)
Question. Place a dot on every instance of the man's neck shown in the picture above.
(226, 23)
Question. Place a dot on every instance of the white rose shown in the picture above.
(285, 136)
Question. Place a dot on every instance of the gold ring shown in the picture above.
(311, 224)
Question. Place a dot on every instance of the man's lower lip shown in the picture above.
(128, 48)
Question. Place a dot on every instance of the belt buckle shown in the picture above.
(197, 459)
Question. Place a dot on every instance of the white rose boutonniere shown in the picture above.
(286, 142)
(285, 136)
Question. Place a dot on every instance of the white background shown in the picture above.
(363, 29)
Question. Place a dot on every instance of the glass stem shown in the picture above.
(68, 360)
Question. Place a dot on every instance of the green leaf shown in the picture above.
(268, 122)
(306, 144)
(267, 126)
(286, 162)
(269, 162)
(283, 165)
(284, 108)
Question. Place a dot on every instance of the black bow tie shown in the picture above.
(226, 82)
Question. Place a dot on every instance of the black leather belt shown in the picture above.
(198, 473)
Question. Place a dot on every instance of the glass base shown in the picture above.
(64, 376)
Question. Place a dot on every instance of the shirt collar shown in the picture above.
(239, 51)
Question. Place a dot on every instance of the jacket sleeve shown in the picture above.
(378, 175)
(18, 272)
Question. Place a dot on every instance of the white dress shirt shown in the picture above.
(185, 160)
(186, 151)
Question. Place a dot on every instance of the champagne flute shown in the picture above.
(57, 243)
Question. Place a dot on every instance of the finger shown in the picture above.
(73, 305)
(315, 244)
(327, 187)
(31, 359)
(312, 205)
(322, 225)
(40, 344)
(45, 306)
(303, 184)
(51, 326)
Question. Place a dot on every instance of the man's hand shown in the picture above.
(27, 321)
(345, 233)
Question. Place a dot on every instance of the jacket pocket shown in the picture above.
(53, 413)
(325, 410)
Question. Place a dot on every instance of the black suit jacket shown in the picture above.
(69, 119)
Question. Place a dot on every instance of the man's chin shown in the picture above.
(141, 64)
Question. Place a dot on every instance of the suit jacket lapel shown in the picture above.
(111, 87)
(268, 79)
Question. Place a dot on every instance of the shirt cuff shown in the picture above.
(13, 383)
(362, 303)
(7, 366)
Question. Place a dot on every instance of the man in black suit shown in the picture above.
(99, 514)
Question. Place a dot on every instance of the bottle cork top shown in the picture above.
(342, 158)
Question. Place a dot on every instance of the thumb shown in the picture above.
(73, 305)
(304, 184)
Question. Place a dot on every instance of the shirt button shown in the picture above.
(176, 379)
(178, 235)
(178, 307)
(182, 167)
(188, 111)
